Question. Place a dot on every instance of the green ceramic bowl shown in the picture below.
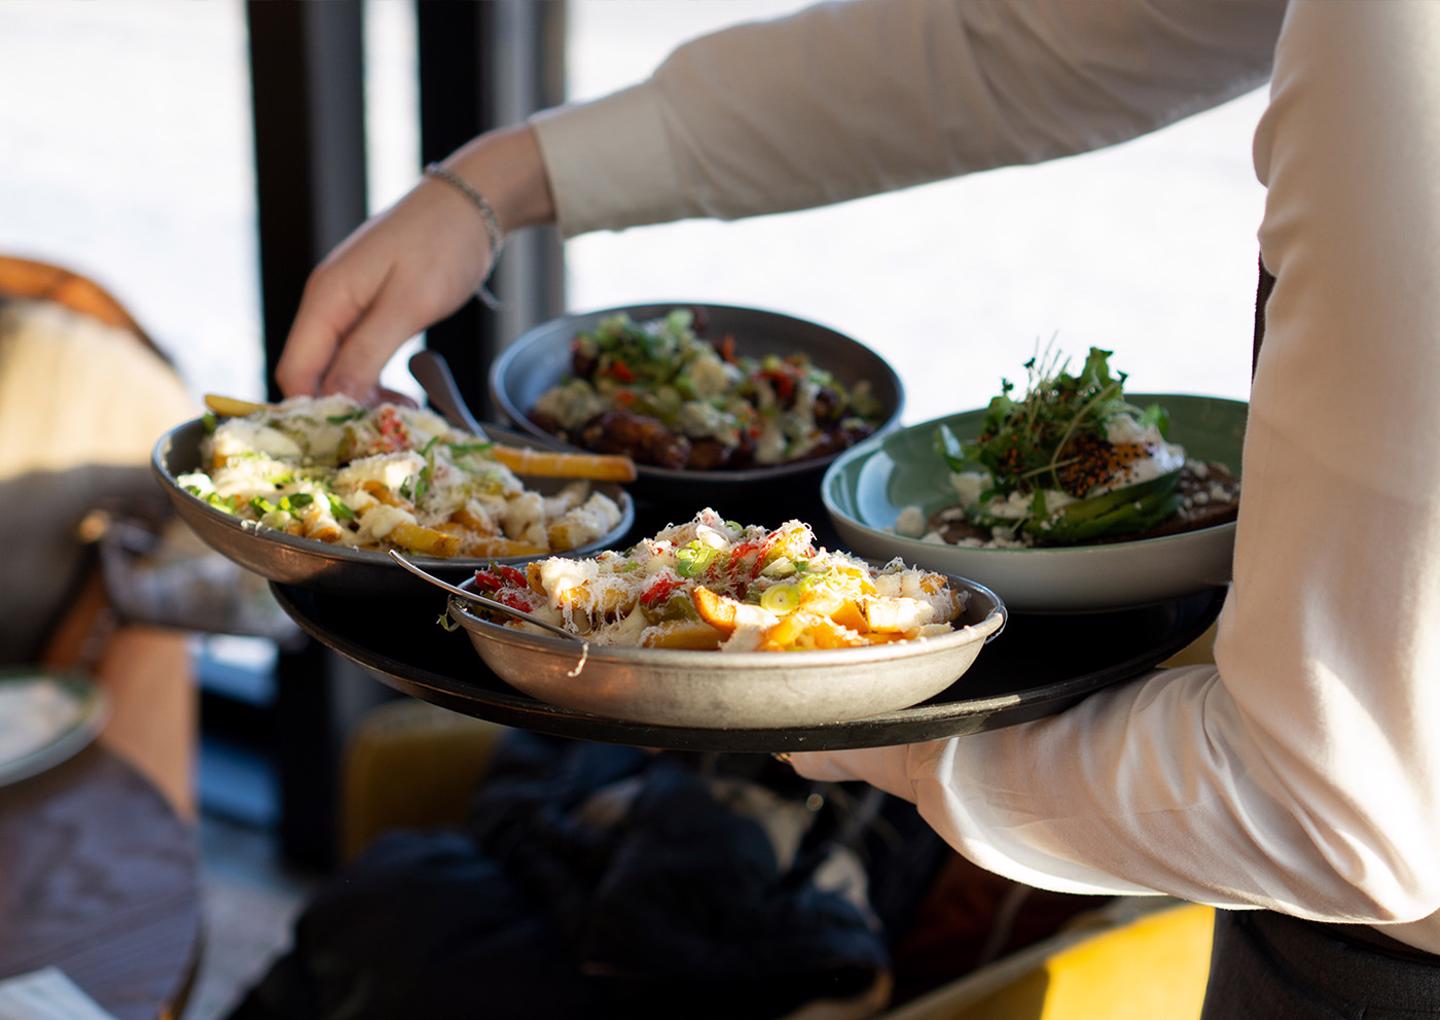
(866, 488)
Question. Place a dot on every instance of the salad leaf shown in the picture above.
(949, 446)
(1157, 416)
(1027, 444)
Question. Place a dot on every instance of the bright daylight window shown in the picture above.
(1148, 248)
(128, 158)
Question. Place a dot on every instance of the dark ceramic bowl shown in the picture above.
(540, 359)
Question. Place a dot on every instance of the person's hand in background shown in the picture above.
(409, 266)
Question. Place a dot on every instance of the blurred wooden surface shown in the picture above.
(98, 877)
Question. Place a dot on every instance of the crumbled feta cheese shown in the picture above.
(770, 444)
(381, 519)
(710, 377)
(911, 522)
(391, 470)
(240, 435)
(1122, 430)
(969, 484)
(558, 575)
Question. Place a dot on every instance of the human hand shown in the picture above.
(409, 266)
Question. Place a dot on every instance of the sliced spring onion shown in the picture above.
(694, 558)
(781, 598)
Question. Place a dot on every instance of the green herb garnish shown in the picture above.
(1055, 438)
(339, 509)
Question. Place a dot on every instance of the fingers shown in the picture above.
(398, 273)
(328, 310)
(386, 324)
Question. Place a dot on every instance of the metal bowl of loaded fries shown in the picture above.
(313, 491)
(711, 623)
(714, 403)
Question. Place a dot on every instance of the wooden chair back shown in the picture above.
(29, 278)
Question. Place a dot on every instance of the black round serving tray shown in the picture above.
(1038, 666)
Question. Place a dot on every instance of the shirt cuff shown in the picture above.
(609, 162)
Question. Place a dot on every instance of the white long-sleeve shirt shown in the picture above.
(1302, 772)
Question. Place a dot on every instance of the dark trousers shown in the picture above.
(1268, 966)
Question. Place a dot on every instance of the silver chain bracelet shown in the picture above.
(487, 214)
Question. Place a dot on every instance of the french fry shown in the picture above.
(232, 407)
(544, 464)
(474, 518)
(425, 540)
(696, 635)
(322, 530)
(382, 492)
(716, 610)
(611, 603)
(499, 547)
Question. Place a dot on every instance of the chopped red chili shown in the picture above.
(488, 581)
(512, 575)
(660, 591)
(516, 602)
(783, 382)
(621, 371)
(392, 430)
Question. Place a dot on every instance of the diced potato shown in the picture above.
(692, 634)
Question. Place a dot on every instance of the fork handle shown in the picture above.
(433, 374)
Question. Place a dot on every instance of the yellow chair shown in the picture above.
(1116, 966)
(410, 765)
